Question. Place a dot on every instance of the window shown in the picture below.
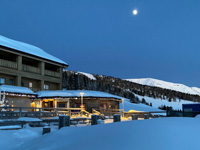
(30, 84)
(46, 87)
(2, 81)
(11, 82)
(61, 104)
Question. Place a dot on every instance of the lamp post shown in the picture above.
(123, 106)
(0, 92)
(82, 101)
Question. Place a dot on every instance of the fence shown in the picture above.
(171, 113)
(16, 112)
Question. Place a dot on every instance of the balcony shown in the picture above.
(8, 64)
(32, 69)
(52, 73)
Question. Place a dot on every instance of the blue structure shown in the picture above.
(191, 107)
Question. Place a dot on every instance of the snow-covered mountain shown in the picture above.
(167, 85)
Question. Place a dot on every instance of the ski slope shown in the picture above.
(167, 85)
(158, 102)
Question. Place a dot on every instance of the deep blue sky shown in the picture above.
(103, 37)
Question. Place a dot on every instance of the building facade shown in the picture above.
(25, 65)
(77, 99)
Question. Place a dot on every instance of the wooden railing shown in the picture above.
(16, 112)
(111, 112)
(96, 112)
(85, 113)
(52, 73)
(30, 69)
(8, 64)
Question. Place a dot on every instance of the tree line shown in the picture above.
(73, 80)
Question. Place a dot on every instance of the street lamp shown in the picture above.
(82, 101)
(0, 92)
(123, 106)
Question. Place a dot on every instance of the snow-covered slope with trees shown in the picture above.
(176, 104)
(90, 76)
(166, 85)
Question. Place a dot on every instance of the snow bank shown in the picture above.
(138, 107)
(29, 119)
(152, 134)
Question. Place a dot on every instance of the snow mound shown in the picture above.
(166, 85)
(151, 134)
(29, 119)
(128, 106)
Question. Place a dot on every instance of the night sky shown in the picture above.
(103, 36)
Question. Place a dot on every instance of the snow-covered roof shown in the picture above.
(29, 49)
(16, 89)
(75, 93)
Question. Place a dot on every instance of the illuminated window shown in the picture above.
(2, 81)
(46, 87)
(30, 84)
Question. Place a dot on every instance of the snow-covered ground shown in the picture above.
(167, 85)
(138, 107)
(161, 133)
(158, 102)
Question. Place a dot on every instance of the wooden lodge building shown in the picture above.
(30, 77)
(72, 99)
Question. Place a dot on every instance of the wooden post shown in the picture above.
(56, 111)
(39, 113)
(93, 119)
(20, 112)
(46, 130)
(134, 117)
(146, 116)
(64, 121)
(116, 118)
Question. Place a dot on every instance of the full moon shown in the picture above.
(135, 12)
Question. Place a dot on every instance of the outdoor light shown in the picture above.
(0, 92)
(123, 106)
(82, 100)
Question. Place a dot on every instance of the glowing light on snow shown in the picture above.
(135, 12)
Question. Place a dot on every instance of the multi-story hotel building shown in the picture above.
(25, 65)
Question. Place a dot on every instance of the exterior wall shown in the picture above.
(89, 104)
(8, 77)
(96, 104)
(18, 101)
(28, 68)
(52, 86)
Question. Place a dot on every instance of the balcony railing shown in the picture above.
(52, 73)
(8, 64)
(30, 69)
